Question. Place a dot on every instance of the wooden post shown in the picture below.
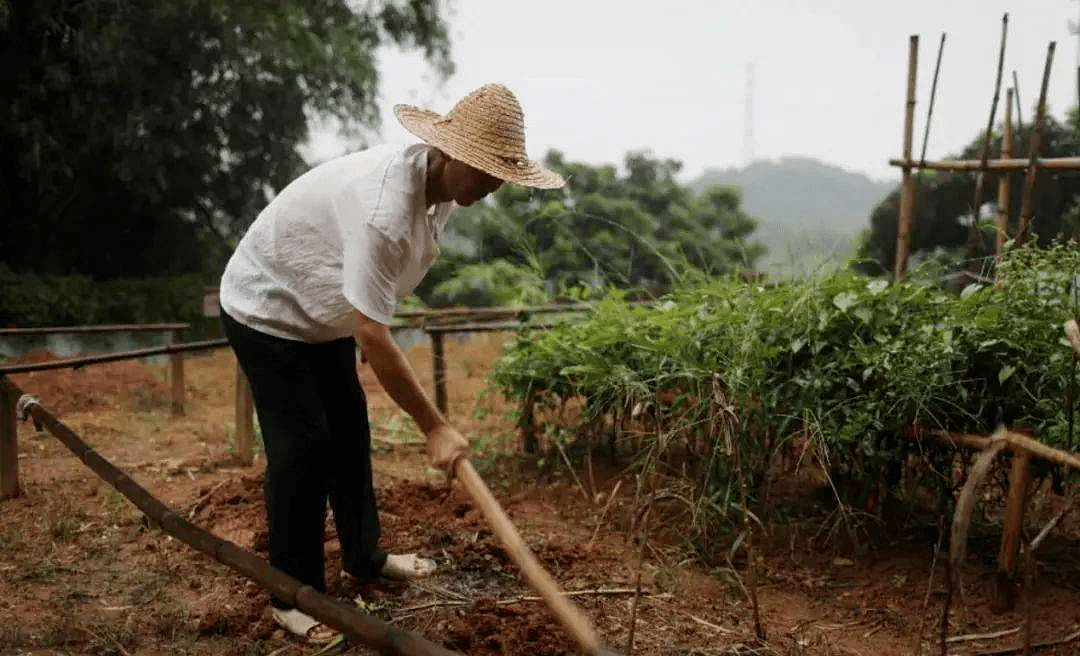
(1005, 581)
(1004, 178)
(9, 443)
(1027, 200)
(906, 218)
(245, 427)
(438, 371)
(176, 372)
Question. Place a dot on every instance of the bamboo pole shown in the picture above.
(1011, 164)
(906, 218)
(1005, 583)
(362, 629)
(930, 106)
(974, 236)
(1019, 110)
(1027, 201)
(1004, 178)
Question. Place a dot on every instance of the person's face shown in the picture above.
(466, 184)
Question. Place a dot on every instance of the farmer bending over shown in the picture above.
(319, 271)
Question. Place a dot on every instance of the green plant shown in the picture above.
(866, 365)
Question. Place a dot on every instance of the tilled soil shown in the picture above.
(83, 572)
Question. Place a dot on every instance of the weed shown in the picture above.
(63, 526)
(399, 428)
(258, 449)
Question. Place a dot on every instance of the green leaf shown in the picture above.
(875, 287)
(845, 300)
(970, 289)
(1006, 372)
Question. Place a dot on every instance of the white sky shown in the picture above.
(597, 78)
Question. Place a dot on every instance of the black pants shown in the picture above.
(313, 418)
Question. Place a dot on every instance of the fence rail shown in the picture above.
(75, 363)
(435, 324)
(109, 328)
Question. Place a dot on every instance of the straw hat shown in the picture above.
(485, 130)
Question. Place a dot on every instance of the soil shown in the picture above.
(82, 572)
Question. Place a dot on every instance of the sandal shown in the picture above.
(304, 626)
(407, 566)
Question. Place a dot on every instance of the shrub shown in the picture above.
(863, 365)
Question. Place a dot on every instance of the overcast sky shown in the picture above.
(598, 78)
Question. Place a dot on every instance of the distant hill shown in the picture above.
(810, 211)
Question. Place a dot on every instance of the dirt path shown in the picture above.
(82, 573)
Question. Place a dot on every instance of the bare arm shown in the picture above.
(396, 375)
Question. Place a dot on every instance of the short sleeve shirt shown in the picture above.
(354, 233)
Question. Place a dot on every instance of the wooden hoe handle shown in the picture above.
(571, 617)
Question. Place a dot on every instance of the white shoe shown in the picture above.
(407, 566)
(304, 626)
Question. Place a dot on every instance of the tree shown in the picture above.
(943, 202)
(643, 231)
(142, 136)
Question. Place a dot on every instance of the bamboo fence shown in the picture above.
(1006, 163)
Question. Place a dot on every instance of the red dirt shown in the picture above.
(82, 572)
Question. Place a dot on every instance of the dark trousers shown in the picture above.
(314, 424)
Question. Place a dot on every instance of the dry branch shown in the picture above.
(1013, 440)
(599, 592)
(1072, 332)
(1035, 645)
(966, 503)
(982, 636)
(603, 514)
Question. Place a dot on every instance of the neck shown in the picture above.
(434, 187)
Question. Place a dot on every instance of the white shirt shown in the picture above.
(351, 234)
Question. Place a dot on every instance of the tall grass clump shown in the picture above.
(853, 370)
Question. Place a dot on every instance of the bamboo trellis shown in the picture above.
(1006, 163)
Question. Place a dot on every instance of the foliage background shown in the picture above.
(141, 137)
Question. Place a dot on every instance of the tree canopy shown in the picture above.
(943, 210)
(641, 231)
(142, 136)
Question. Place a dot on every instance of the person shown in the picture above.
(319, 272)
